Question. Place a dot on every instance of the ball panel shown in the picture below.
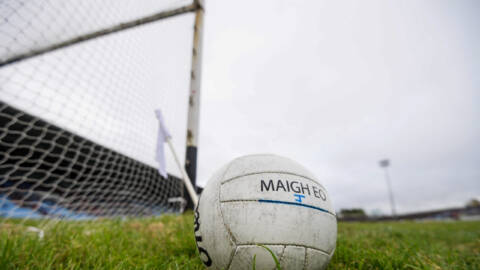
(316, 260)
(264, 163)
(270, 223)
(293, 257)
(243, 257)
(213, 240)
(276, 186)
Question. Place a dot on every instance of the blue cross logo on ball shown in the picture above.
(299, 197)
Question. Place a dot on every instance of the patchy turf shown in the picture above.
(168, 243)
(160, 243)
(408, 245)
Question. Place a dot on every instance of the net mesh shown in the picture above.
(30, 25)
(77, 125)
(48, 171)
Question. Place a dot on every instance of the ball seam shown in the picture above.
(305, 263)
(229, 233)
(286, 244)
(281, 256)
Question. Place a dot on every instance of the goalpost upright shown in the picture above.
(194, 98)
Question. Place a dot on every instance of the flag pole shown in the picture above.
(164, 136)
(186, 179)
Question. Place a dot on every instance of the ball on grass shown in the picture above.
(265, 200)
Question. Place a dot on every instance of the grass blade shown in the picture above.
(277, 263)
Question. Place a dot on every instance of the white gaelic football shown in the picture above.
(265, 200)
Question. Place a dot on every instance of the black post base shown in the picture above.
(191, 168)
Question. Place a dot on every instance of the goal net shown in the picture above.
(79, 84)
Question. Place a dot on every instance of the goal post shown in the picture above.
(194, 100)
(79, 84)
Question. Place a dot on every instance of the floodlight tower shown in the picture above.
(384, 164)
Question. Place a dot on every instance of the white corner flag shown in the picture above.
(165, 137)
(162, 138)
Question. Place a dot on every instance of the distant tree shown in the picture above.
(473, 203)
(356, 213)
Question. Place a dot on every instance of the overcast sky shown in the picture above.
(339, 85)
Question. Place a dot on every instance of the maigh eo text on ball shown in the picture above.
(292, 186)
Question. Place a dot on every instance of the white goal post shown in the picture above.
(79, 84)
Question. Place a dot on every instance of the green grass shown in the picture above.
(168, 243)
(408, 245)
